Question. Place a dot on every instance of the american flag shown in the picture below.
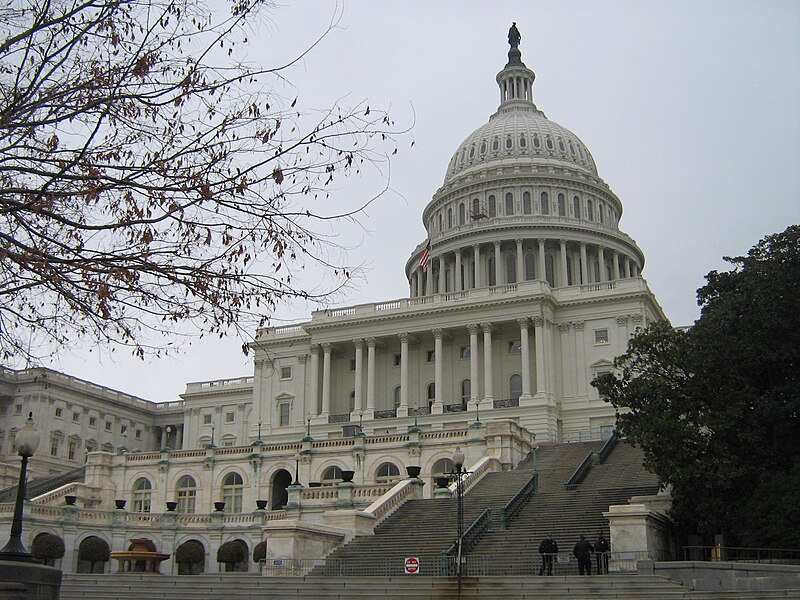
(425, 257)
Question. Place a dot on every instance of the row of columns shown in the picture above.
(422, 282)
(366, 403)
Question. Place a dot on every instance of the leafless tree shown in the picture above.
(150, 180)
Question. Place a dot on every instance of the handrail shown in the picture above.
(579, 473)
(513, 506)
(608, 447)
(473, 533)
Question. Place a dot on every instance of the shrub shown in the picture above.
(259, 552)
(231, 553)
(48, 548)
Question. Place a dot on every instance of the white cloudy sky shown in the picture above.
(691, 110)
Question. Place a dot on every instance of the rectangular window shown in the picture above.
(601, 374)
(227, 442)
(514, 347)
(601, 336)
(71, 450)
(466, 351)
(230, 417)
(431, 356)
(108, 425)
(284, 415)
(397, 359)
(18, 409)
(352, 364)
(123, 429)
(54, 447)
(606, 431)
(286, 372)
(76, 417)
(59, 413)
(206, 419)
(138, 434)
(92, 421)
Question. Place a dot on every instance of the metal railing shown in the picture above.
(443, 566)
(608, 447)
(512, 508)
(473, 534)
(579, 473)
(783, 556)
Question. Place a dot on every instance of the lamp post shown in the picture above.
(27, 441)
(297, 457)
(458, 464)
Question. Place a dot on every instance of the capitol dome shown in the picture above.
(521, 201)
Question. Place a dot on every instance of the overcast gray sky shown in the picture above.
(691, 110)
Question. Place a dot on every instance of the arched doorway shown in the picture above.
(280, 496)
(191, 558)
(93, 554)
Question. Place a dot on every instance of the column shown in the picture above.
(326, 380)
(584, 265)
(615, 265)
(163, 437)
(520, 262)
(487, 362)
(563, 259)
(359, 344)
(457, 277)
(179, 437)
(412, 285)
(478, 282)
(370, 376)
(626, 266)
(499, 271)
(622, 323)
(313, 409)
(402, 410)
(438, 364)
(566, 380)
(420, 282)
(429, 278)
(442, 274)
(526, 357)
(300, 415)
(580, 353)
(473, 362)
(550, 358)
(541, 274)
(538, 324)
(601, 261)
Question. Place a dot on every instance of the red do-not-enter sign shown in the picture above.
(411, 565)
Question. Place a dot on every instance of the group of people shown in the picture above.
(583, 550)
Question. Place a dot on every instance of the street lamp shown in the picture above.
(297, 457)
(27, 441)
(458, 464)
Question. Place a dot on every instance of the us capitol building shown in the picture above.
(524, 290)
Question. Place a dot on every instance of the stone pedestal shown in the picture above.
(29, 581)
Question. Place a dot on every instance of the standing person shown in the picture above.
(547, 549)
(601, 547)
(583, 552)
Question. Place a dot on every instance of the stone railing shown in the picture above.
(394, 498)
(487, 464)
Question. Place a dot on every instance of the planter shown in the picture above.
(171, 506)
(219, 506)
(314, 484)
(347, 476)
(70, 500)
(413, 472)
(120, 504)
(261, 504)
(442, 482)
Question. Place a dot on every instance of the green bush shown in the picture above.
(190, 552)
(47, 548)
(232, 553)
(259, 552)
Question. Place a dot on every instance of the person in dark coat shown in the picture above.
(601, 548)
(547, 549)
(583, 552)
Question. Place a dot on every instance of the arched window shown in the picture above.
(387, 473)
(530, 267)
(576, 207)
(142, 493)
(431, 393)
(596, 271)
(483, 147)
(396, 396)
(442, 468)
(536, 142)
(331, 476)
(549, 143)
(495, 144)
(441, 222)
(515, 386)
(589, 210)
(601, 213)
(511, 268)
(526, 203)
(352, 400)
(185, 493)
(570, 280)
(561, 145)
(562, 206)
(549, 270)
(522, 141)
(472, 151)
(461, 214)
(476, 207)
(509, 203)
(509, 143)
(492, 271)
(492, 207)
(232, 487)
(449, 217)
(545, 203)
(466, 391)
